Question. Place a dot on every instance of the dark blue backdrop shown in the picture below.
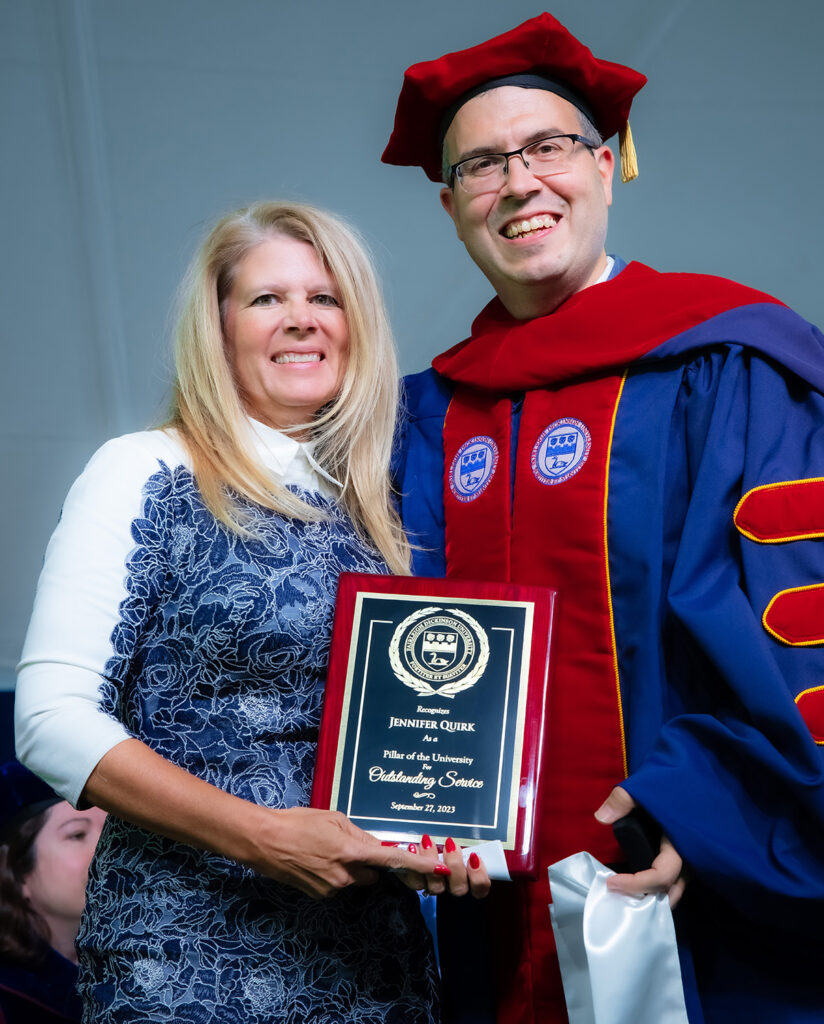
(6, 725)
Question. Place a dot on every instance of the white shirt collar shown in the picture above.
(607, 271)
(292, 460)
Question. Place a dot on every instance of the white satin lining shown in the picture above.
(618, 955)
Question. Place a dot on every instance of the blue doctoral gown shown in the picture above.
(718, 750)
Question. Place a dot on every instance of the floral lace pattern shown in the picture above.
(219, 661)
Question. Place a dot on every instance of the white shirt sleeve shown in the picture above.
(62, 729)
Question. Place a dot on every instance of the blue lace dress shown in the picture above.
(218, 659)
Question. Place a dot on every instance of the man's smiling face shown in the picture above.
(538, 240)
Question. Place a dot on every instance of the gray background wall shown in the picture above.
(126, 126)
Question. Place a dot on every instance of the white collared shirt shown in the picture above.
(607, 271)
(291, 460)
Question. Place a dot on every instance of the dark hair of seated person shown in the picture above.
(24, 935)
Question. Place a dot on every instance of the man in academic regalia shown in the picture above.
(653, 446)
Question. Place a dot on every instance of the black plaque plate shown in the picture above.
(434, 715)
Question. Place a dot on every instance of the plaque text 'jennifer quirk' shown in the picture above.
(424, 723)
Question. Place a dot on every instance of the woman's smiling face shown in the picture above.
(286, 332)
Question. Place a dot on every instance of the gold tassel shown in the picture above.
(629, 159)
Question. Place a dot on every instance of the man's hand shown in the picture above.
(665, 875)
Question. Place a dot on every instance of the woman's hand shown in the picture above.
(463, 878)
(317, 851)
(320, 852)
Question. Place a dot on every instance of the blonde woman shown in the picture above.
(174, 666)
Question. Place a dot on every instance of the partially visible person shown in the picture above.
(45, 850)
(174, 668)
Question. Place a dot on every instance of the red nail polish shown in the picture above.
(474, 861)
(441, 869)
(449, 845)
(426, 842)
(387, 842)
(413, 848)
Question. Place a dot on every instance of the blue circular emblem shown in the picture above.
(560, 451)
(472, 468)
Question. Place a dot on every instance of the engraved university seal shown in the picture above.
(439, 652)
(560, 451)
(472, 467)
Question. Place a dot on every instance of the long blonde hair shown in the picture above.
(352, 435)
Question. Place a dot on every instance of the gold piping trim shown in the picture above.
(609, 584)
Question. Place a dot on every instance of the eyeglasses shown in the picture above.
(487, 172)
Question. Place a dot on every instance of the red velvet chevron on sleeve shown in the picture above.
(783, 511)
(796, 616)
(811, 705)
